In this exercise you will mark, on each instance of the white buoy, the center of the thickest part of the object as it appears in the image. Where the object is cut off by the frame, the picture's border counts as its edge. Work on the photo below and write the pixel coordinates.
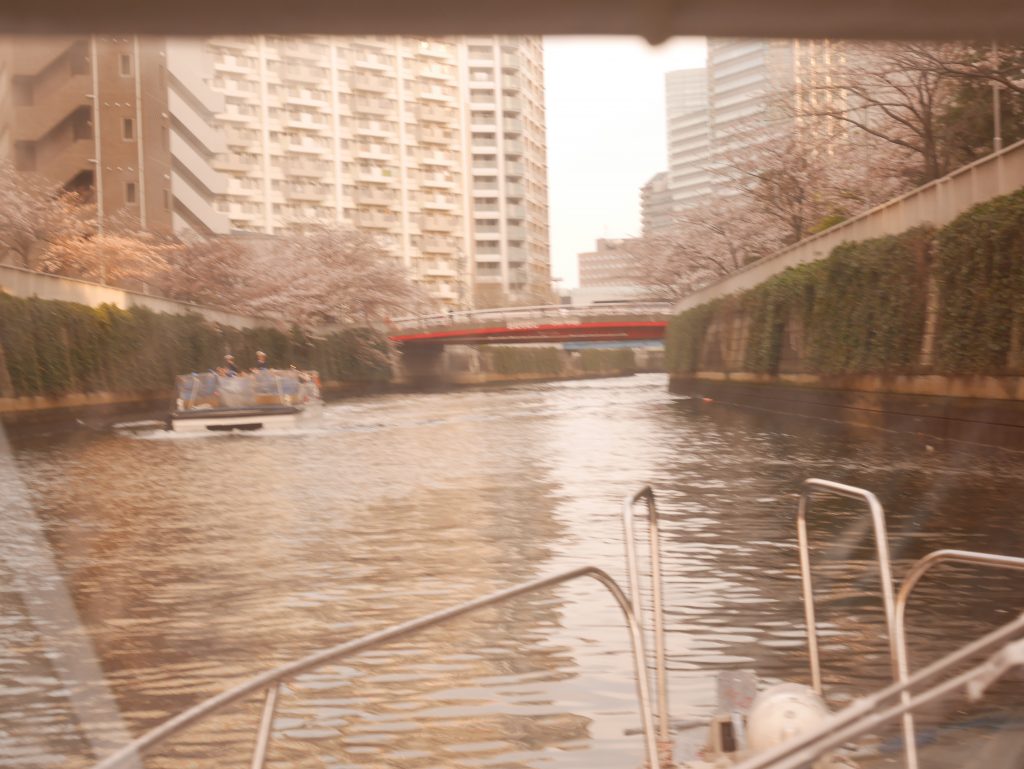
(782, 712)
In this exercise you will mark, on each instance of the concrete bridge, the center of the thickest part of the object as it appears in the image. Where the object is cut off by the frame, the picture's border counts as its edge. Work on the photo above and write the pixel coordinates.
(545, 324)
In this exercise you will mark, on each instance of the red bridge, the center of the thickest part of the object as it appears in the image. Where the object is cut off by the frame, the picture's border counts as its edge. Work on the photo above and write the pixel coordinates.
(635, 321)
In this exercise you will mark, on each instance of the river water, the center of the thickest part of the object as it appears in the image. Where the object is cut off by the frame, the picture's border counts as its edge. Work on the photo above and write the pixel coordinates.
(196, 562)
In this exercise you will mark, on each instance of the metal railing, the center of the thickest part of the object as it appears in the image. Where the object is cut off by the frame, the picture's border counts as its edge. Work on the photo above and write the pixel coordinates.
(505, 315)
(810, 486)
(923, 566)
(657, 597)
(272, 681)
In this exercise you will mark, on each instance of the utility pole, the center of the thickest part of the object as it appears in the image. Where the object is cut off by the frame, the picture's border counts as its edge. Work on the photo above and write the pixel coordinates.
(997, 133)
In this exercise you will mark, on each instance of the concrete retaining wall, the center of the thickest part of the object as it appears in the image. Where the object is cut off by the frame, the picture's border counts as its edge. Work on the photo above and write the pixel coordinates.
(20, 282)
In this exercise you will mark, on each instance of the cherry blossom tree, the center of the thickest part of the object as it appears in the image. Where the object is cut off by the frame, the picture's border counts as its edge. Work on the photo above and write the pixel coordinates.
(328, 276)
(120, 255)
(35, 215)
(705, 242)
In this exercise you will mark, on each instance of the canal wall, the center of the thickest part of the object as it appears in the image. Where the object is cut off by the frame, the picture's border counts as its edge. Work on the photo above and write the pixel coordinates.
(66, 360)
(923, 330)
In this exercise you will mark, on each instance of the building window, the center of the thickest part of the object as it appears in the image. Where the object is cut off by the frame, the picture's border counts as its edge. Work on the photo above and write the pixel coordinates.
(126, 65)
(130, 194)
(128, 129)
(167, 201)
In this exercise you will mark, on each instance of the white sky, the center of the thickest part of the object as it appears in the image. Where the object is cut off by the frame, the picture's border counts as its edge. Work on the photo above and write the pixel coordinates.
(606, 135)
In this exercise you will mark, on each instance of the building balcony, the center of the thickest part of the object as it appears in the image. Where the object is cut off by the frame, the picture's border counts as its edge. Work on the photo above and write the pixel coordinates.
(309, 192)
(376, 220)
(516, 233)
(375, 196)
(433, 135)
(311, 75)
(516, 212)
(437, 159)
(308, 168)
(437, 203)
(370, 61)
(238, 137)
(373, 83)
(438, 223)
(440, 270)
(435, 114)
(374, 152)
(513, 104)
(514, 190)
(307, 123)
(430, 245)
(374, 130)
(307, 149)
(435, 94)
(512, 125)
(373, 106)
(436, 72)
(233, 163)
(513, 147)
(514, 169)
(306, 100)
(437, 182)
(377, 176)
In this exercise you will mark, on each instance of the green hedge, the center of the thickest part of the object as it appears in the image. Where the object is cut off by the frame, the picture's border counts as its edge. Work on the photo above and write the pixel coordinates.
(862, 310)
(979, 270)
(54, 348)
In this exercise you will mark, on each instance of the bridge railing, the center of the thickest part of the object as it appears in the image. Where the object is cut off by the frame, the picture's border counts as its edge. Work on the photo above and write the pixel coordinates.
(510, 316)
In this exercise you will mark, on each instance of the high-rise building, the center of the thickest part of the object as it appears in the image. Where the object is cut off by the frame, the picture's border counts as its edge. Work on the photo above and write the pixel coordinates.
(503, 85)
(434, 145)
(710, 110)
(689, 136)
(656, 205)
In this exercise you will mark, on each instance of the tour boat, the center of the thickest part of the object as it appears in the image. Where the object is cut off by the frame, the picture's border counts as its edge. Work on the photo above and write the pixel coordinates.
(781, 726)
(263, 399)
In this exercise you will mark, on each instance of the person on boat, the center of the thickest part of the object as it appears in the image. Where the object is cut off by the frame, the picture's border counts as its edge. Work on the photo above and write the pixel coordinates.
(261, 362)
(229, 364)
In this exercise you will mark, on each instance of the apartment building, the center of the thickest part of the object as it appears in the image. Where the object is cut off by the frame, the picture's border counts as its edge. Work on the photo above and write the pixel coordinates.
(401, 137)
(435, 146)
(503, 84)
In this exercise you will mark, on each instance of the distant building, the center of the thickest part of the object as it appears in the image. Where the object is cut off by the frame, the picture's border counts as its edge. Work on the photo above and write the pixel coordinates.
(689, 136)
(656, 205)
(610, 264)
(707, 108)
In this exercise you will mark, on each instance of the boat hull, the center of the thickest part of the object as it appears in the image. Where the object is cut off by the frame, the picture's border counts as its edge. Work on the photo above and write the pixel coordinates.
(243, 419)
